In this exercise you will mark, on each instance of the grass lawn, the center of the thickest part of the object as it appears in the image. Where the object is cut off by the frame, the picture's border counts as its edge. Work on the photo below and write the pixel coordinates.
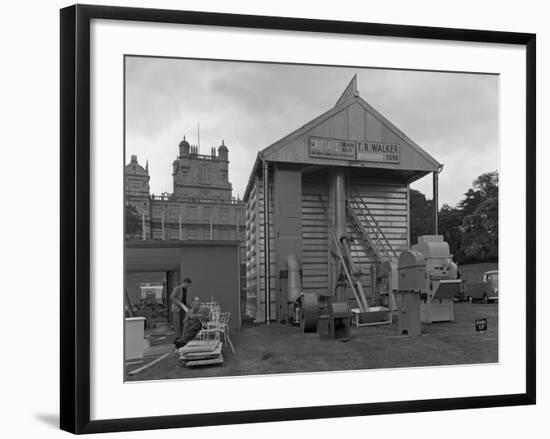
(262, 349)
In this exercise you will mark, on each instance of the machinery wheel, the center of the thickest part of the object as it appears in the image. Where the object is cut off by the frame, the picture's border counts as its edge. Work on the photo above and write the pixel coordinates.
(309, 312)
(469, 299)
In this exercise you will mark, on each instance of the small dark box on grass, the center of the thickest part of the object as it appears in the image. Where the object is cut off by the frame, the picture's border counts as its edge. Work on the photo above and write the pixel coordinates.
(481, 325)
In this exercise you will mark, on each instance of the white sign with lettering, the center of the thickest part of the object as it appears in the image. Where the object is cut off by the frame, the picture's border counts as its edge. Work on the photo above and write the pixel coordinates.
(378, 152)
(363, 151)
(331, 148)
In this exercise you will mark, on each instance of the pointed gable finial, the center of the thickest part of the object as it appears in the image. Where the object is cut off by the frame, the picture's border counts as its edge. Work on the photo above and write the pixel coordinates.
(349, 92)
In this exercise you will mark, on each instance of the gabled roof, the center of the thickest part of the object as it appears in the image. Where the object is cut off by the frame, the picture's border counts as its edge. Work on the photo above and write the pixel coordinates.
(268, 152)
(337, 121)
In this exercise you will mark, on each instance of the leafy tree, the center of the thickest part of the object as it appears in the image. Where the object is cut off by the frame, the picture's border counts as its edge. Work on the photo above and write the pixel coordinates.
(470, 228)
(487, 184)
(484, 187)
(450, 220)
(421, 212)
(480, 231)
(472, 199)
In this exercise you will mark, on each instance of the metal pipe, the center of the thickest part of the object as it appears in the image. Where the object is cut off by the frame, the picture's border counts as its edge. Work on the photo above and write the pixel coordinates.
(294, 283)
(339, 202)
(267, 263)
(336, 216)
(436, 199)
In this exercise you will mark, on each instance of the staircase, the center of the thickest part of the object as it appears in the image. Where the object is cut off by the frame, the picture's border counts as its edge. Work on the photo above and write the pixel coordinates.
(371, 233)
(369, 229)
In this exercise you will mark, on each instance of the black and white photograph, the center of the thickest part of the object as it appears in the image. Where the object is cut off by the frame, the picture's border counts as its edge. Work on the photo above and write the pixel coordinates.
(275, 219)
(296, 218)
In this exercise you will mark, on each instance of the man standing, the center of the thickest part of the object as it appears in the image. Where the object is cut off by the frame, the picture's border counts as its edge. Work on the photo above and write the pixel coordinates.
(177, 299)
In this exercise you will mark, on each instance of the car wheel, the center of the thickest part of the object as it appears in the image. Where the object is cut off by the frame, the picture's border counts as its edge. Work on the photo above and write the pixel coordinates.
(470, 300)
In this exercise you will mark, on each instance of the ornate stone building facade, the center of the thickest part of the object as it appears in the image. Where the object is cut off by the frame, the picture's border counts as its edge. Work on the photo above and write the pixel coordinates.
(201, 206)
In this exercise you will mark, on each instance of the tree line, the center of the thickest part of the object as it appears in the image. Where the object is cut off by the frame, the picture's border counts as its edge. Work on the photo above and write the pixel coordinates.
(470, 228)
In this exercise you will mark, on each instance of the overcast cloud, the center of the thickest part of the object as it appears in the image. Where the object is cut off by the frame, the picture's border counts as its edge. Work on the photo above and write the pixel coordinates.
(454, 117)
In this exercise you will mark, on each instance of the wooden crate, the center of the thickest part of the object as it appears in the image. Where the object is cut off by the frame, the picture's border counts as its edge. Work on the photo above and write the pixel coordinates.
(377, 315)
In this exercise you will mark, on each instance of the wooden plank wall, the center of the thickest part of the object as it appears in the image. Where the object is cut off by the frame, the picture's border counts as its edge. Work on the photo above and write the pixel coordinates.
(255, 303)
(252, 257)
(314, 236)
(388, 203)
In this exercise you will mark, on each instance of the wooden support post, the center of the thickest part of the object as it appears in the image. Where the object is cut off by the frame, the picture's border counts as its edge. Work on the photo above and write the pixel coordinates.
(128, 303)
(152, 363)
(436, 200)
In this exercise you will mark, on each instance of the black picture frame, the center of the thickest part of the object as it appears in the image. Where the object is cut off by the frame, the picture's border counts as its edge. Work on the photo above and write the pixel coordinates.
(75, 217)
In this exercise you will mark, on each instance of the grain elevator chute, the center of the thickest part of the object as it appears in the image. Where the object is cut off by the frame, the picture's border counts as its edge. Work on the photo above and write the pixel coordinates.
(332, 197)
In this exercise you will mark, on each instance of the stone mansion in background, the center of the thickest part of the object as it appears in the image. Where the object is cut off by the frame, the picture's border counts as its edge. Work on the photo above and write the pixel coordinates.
(201, 206)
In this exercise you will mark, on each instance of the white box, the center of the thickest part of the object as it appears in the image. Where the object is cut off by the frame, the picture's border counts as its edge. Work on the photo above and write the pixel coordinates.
(133, 337)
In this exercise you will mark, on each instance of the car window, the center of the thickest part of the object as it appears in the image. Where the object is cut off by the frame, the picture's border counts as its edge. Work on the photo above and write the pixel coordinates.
(491, 278)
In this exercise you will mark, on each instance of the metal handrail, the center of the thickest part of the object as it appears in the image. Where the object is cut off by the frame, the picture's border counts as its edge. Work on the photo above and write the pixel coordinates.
(385, 245)
(364, 232)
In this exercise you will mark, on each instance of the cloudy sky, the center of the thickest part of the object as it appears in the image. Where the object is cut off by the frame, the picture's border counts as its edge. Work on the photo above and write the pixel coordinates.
(454, 117)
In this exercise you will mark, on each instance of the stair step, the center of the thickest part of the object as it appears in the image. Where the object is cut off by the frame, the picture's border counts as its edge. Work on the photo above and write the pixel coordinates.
(370, 232)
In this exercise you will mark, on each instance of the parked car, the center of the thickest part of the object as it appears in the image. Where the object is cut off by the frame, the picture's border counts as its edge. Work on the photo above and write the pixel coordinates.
(485, 291)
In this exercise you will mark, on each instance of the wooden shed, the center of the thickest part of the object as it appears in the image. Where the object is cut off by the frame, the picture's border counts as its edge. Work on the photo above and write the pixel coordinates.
(344, 176)
(213, 266)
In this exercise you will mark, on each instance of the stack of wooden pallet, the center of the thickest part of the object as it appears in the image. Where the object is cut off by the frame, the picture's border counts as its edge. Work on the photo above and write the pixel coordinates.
(201, 353)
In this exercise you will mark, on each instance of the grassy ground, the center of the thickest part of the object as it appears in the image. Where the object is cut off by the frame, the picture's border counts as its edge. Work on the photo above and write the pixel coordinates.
(263, 349)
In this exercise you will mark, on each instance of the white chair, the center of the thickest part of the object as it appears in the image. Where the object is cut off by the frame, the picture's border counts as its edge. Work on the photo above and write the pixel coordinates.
(219, 323)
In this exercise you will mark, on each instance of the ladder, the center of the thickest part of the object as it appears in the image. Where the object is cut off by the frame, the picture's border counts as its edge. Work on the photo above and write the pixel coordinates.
(369, 229)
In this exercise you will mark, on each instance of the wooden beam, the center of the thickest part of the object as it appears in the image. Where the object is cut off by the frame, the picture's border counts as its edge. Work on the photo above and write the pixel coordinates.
(152, 363)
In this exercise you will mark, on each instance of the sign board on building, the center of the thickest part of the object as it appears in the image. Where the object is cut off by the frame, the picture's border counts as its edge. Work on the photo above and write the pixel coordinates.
(331, 148)
(378, 152)
(363, 151)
